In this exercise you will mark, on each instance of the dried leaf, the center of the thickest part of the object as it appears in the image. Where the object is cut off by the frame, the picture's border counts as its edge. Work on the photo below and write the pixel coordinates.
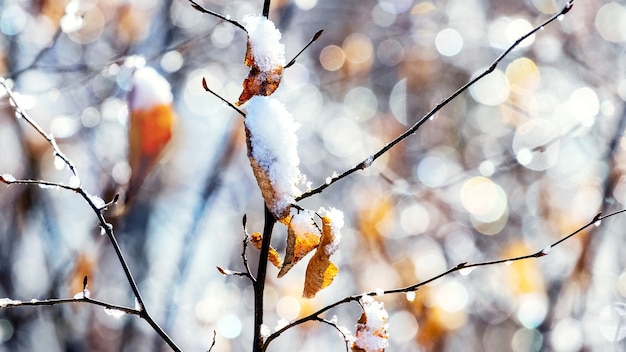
(258, 81)
(371, 329)
(301, 240)
(321, 271)
(257, 241)
(151, 125)
(275, 201)
(223, 271)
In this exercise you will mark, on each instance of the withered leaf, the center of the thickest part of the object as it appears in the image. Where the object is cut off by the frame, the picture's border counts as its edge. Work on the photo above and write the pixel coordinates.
(300, 242)
(257, 240)
(320, 272)
(258, 81)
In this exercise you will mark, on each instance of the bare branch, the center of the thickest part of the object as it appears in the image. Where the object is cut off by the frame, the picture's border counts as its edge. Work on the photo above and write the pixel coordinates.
(202, 9)
(206, 87)
(96, 204)
(315, 37)
(367, 162)
(461, 266)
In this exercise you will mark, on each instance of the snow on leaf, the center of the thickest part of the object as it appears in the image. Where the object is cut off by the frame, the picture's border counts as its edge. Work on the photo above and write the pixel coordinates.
(264, 55)
(302, 237)
(272, 150)
(335, 221)
(371, 329)
(152, 121)
(321, 272)
(257, 240)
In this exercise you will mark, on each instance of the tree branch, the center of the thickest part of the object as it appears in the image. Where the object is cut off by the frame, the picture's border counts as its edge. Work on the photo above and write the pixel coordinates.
(461, 266)
(259, 284)
(368, 161)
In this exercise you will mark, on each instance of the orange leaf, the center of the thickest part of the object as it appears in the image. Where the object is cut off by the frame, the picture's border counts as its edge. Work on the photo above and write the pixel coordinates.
(151, 124)
(302, 238)
(258, 81)
(257, 240)
(321, 271)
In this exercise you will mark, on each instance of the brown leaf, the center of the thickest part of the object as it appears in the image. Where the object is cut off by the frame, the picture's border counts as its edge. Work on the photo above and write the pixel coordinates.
(258, 82)
(300, 242)
(265, 184)
(257, 240)
(321, 271)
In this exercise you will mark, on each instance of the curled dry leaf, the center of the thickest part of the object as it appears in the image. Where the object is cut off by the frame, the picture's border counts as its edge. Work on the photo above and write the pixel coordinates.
(272, 149)
(321, 272)
(256, 239)
(151, 125)
(259, 82)
(264, 55)
(302, 237)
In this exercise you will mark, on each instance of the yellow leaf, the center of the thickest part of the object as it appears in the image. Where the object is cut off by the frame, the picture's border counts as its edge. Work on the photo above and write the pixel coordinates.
(257, 240)
(321, 271)
(301, 240)
(319, 274)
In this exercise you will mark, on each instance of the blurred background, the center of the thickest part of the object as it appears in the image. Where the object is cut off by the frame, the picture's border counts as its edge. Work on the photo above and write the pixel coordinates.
(525, 157)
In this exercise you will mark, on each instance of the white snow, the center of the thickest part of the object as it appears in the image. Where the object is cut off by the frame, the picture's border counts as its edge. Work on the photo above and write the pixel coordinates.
(149, 89)
(372, 336)
(5, 302)
(274, 146)
(264, 41)
(8, 177)
(302, 222)
(336, 223)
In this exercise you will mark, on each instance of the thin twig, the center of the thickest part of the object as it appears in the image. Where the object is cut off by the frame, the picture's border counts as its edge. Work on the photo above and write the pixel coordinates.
(244, 256)
(50, 138)
(202, 9)
(334, 325)
(266, 8)
(213, 342)
(206, 87)
(368, 161)
(315, 37)
(9, 303)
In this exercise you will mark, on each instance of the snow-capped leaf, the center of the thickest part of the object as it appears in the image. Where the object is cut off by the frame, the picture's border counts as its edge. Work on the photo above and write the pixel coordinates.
(264, 55)
(302, 237)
